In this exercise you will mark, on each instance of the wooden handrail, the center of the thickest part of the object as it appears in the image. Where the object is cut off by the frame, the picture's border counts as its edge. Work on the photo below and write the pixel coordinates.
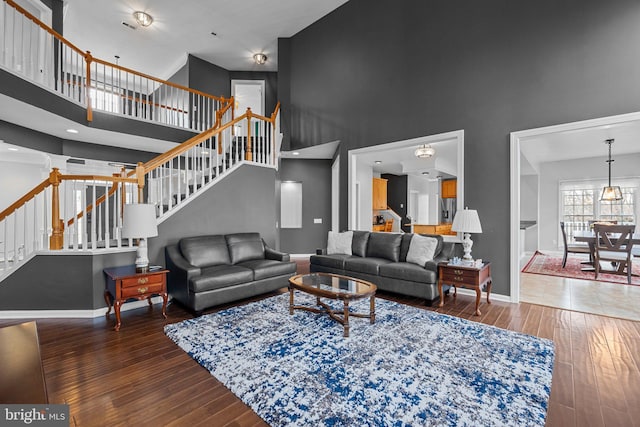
(44, 26)
(192, 142)
(24, 199)
(164, 82)
(87, 56)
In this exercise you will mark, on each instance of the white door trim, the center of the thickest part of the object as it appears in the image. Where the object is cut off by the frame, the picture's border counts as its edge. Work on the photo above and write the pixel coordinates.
(516, 139)
(458, 135)
(260, 83)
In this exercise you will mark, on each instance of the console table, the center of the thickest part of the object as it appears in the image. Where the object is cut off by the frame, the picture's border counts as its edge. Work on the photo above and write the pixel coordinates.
(466, 277)
(124, 283)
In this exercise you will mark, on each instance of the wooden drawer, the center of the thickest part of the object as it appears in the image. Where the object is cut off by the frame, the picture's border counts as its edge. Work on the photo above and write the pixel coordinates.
(456, 275)
(147, 280)
(144, 289)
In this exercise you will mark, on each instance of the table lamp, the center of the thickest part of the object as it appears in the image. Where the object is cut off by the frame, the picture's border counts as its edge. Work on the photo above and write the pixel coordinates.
(467, 221)
(139, 222)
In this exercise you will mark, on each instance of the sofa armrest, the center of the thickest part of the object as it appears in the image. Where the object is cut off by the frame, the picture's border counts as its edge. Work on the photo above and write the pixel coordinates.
(180, 272)
(270, 253)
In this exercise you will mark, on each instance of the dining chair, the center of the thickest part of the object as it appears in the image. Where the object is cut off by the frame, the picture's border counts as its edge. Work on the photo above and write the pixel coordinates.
(388, 225)
(575, 248)
(613, 243)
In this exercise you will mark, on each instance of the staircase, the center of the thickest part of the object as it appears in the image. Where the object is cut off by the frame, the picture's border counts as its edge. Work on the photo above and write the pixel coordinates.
(83, 213)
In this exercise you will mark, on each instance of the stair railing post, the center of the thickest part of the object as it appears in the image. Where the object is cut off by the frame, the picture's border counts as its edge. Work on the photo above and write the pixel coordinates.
(88, 59)
(140, 177)
(56, 240)
(248, 155)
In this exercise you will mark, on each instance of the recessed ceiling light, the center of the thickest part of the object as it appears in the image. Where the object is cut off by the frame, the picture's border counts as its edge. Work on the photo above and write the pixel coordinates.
(12, 149)
(296, 153)
(72, 131)
(378, 162)
(425, 173)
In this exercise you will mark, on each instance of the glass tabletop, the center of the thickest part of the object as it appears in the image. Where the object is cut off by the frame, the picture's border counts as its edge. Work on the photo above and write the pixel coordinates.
(333, 283)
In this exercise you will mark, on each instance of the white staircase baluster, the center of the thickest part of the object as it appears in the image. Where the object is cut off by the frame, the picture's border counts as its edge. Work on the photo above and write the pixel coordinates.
(107, 233)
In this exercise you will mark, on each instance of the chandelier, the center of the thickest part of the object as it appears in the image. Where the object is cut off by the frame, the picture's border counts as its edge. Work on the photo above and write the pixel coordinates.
(425, 151)
(610, 193)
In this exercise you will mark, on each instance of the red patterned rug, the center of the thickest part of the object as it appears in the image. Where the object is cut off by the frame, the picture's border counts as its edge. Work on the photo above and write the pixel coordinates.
(551, 265)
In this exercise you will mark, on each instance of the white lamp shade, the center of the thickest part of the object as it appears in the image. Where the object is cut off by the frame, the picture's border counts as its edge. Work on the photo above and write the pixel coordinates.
(467, 221)
(139, 221)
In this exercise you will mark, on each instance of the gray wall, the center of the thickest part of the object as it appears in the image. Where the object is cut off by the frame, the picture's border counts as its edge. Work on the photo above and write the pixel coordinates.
(315, 176)
(243, 201)
(60, 282)
(375, 72)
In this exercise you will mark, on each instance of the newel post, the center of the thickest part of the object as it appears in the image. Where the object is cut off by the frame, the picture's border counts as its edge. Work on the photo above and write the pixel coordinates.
(140, 177)
(56, 240)
(88, 59)
(248, 154)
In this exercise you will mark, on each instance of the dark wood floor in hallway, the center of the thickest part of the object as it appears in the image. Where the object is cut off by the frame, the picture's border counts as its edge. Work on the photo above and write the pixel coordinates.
(139, 377)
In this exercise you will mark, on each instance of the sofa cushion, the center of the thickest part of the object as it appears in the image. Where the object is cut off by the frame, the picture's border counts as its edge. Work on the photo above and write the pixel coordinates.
(205, 251)
(407, 271)
(367, 265)
(331, 261)
(359, 243)
(220, 276)
(265, 268)
(339, 243)
(440, 240)
(404, 246)
(384, 245)
(421, 249)
(245, 247)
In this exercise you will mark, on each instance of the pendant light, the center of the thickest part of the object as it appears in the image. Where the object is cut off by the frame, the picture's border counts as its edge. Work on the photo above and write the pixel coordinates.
(425, 151)
(610, 193)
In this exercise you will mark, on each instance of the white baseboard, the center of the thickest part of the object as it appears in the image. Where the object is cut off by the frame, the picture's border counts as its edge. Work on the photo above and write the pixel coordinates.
(69, 314)
(496, 297)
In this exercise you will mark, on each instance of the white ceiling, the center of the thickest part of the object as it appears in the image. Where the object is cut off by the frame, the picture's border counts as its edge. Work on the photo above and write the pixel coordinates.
(402, 161)
(578, 144)
(184, 27)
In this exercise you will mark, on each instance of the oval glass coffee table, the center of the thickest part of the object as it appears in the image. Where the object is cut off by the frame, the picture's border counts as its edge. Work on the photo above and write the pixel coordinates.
(334, 286)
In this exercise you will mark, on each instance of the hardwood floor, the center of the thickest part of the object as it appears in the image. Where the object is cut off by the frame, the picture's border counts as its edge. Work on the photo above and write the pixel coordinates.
(139, 377)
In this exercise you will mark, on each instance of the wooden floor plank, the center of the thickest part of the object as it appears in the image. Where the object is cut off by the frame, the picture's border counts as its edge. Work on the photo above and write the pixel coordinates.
(140, 377)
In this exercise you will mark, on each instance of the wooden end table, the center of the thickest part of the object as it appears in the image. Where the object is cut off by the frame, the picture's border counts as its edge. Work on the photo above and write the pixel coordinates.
(465, 277)
(124, 283)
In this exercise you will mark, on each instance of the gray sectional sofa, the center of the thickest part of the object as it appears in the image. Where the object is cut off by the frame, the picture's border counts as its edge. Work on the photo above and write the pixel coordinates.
(381, 258)
(205, 271)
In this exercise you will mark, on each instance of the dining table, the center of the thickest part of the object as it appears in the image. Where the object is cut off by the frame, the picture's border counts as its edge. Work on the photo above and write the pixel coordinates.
(589, 237)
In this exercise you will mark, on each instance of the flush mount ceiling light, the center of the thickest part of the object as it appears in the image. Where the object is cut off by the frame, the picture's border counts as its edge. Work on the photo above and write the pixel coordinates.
(425, 151)
(260, 58)
(143, 18)
(610, 193)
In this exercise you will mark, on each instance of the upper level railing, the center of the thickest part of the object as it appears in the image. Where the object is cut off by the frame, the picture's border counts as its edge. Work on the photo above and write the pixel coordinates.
(39, 54)
(84, 212)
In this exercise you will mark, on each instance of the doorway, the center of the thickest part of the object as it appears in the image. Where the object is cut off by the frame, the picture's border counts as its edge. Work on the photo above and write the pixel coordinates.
(248, 94)
(568, 142)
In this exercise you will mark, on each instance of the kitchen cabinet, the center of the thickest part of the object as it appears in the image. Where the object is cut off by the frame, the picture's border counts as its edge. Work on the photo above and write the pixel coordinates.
(448, 190)
(379, 193)
(444, 228)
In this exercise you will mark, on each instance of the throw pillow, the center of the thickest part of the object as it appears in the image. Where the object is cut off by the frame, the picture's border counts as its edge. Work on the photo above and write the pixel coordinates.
(421, 249)
(339, 243)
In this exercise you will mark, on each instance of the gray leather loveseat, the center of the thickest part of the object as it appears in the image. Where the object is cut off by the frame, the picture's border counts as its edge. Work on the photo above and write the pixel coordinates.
(381, 258)
(210, 270)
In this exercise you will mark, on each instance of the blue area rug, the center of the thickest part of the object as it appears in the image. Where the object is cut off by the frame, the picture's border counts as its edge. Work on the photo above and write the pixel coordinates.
(412, 367)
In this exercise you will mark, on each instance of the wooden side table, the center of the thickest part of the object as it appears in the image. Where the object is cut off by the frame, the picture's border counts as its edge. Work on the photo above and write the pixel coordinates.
(124, 283)
(465, 277)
